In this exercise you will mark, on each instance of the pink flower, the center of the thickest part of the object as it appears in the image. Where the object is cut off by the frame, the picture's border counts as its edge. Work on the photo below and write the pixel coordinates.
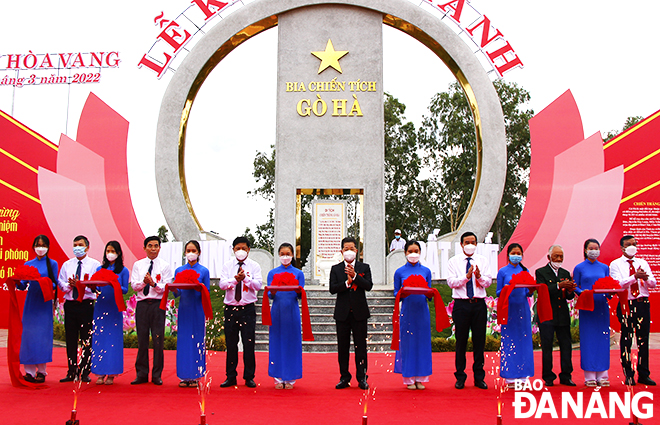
(450, 308)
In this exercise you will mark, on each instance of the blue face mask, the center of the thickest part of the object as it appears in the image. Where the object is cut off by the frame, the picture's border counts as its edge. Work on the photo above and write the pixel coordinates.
(515, 259)
(79, 251)
(397, 236)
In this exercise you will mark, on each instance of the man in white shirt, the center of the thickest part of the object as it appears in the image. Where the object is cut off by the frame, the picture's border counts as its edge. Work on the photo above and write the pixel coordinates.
(398, 242)
(469, 276)
(148, 279)
(634, 274)
(78, 315)
(241, 279)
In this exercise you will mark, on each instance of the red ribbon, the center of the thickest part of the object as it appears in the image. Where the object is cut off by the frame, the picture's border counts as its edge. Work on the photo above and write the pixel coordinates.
(188, 279)
(544, 308)
(586, 298)
(15, 330)
(108, 276)
(287, 282)
(32, 273)
(417, 285)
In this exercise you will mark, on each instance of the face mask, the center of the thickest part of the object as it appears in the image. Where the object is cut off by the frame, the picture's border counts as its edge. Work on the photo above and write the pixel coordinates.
(592, 254)
(241, 255)
(397, 236)
(41, 251)
(111, 257)
(286, 260)
(469, 249)
(349, 256)
(413, 257)
(631, 250)
(191, 256)
(79, 251)
(515, 259)
(555, 265)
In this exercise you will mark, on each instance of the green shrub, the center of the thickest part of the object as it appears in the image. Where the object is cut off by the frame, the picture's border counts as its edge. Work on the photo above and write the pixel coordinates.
(58, 332)
(575, 334)
(441, 345)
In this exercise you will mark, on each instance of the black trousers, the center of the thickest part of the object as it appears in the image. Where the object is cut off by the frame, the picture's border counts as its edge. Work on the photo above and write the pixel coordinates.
(149, 318)
(241, 319)
(470, 315)
(548, 330)
(78, 318)
(359, 330)
(638, 325)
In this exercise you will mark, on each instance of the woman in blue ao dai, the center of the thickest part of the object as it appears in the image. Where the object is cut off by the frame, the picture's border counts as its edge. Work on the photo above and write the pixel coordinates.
(37, 338)
(190, 342)
(413, 360)
(284, 335)
(516, 349)
(108, 338)
(594, 325)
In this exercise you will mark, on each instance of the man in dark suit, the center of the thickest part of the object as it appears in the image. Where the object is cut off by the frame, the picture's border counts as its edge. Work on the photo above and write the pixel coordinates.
(349, 280)
(560, 286)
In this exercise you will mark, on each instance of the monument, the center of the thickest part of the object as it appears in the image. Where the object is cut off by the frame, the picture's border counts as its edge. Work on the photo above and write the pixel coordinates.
(330, 111)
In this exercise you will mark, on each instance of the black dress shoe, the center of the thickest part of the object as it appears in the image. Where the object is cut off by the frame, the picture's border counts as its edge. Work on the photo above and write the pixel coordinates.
(30, 378)
(250, 383)
(86, 378)
(363, 384)
(481, 384)
(646, 381)
(459, 385)
(549, 383)
(40, 377)
(630, 381)
(68, 378)
(568, 382)
(157, 381)
(141, 381)
(229, 382)
(343, 384)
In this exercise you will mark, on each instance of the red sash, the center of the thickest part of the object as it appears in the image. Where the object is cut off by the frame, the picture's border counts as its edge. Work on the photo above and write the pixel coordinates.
(287, 282)
(15, 330)
(105, 276)
(417, 285)
(586, 298)
(81, 288)
(188, 279)
(543, 306)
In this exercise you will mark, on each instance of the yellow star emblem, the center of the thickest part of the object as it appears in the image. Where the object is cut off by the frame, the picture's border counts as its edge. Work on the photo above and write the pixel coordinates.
(330, 57)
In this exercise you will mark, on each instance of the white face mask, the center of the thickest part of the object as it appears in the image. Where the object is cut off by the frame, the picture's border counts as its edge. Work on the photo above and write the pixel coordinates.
(413, 257)
(556, 265)
(191, 256)
(592, 254)
(111, 257)
(41, 251)
(631, 250)
(469, 249)
(349, 256)
(286, 260)
(241, 255)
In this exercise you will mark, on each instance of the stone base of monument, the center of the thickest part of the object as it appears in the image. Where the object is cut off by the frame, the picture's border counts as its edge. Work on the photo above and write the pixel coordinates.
(321, 307)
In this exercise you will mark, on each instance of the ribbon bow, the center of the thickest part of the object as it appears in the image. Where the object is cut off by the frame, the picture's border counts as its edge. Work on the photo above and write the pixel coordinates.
(586, 298)
(544, 308)
(417, 285)
(189, 279)
(287, 282)
(105, 275)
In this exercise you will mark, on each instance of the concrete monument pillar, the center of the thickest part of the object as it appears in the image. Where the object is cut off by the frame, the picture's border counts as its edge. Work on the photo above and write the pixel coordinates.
(330, 116)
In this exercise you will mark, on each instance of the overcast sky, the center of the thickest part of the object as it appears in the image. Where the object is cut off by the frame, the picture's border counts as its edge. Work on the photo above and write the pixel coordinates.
(605, 52)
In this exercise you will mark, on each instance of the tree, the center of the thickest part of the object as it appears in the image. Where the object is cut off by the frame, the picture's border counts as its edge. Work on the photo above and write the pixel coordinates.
(447, 136)
(630, 121)
(162, 233)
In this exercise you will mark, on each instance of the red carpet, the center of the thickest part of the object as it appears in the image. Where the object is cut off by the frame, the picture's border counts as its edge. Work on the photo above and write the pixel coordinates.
(313, 400)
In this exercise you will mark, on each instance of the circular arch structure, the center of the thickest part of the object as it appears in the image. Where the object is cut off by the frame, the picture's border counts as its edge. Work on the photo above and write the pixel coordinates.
(262, 15)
